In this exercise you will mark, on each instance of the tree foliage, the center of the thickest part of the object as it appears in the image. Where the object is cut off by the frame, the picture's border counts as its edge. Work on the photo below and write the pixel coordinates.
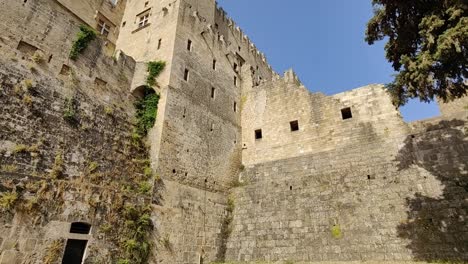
(427, 46)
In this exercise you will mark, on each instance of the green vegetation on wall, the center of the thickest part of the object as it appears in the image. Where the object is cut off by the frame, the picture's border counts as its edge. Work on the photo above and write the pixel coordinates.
(154, 69)
(146, 111)
(83, 38)
(136, 235)
(336, 231)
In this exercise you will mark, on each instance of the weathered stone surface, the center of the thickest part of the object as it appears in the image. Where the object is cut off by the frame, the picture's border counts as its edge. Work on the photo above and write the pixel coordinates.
(368, 188)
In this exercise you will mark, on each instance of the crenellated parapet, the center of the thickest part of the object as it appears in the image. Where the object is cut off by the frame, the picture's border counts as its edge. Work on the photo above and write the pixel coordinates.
(229, 37)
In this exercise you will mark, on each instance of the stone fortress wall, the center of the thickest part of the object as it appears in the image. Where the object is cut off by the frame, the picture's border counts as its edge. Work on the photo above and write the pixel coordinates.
(370, 187)
(35, 94)
(92, 12)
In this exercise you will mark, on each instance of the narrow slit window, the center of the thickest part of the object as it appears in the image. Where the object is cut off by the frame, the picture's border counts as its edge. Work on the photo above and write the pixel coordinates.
(214, 64)
(235, 67)
(258, 134)
(212, 127)
(213, 92)
(159, 43)
(235, 80)
(189, 45)
(186, 75)
(346, 113)
(235, 106)
(294, 125)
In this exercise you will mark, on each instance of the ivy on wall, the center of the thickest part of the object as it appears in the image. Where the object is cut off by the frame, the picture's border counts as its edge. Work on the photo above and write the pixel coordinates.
(154, 69)
(146, 111)
(83, 38)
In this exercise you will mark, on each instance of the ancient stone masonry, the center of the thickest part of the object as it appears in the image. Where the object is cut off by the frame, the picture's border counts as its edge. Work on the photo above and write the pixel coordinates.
(241, 164)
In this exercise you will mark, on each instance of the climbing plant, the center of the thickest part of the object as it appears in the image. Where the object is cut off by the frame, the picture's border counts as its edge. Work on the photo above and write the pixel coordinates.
(135, 240)
(154, 69)
(146, 110)
(83, 38)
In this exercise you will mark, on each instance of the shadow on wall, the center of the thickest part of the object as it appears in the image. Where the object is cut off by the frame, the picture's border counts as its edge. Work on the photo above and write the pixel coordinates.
(437, 228)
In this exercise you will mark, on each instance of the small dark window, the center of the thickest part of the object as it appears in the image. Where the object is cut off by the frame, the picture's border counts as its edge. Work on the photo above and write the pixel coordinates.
(65, 70)
(173, 171)
(50, 58)
(213, 92)
(159, 43)
(235, 67)
(294, 125)
(239, 48)
(80, 228)
(212, 127)
(214, 64)
(346, 113)
(74, 251)
(124, 23)
(186, 75)
(370, 177)
(290, 188)
(189, 45)
(235, 106)
(99, 83)
(258, 134)
(27, 49)
(235, 80)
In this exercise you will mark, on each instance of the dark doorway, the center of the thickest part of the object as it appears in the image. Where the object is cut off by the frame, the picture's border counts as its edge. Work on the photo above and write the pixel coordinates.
(74, 251)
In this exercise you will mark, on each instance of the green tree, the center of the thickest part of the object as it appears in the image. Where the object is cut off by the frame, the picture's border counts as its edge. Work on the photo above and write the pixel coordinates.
(427, 45)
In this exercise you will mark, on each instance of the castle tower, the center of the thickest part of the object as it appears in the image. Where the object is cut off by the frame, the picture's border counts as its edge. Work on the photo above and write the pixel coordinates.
(196, 143)
(206, 55)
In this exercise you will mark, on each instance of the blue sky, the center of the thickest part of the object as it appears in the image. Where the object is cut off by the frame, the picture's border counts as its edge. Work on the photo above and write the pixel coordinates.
(323, 40)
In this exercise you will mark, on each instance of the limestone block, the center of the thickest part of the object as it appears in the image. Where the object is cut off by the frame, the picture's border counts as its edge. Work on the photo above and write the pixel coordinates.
(9, 257)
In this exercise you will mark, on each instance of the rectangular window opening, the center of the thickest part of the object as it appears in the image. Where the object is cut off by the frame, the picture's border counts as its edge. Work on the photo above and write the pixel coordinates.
(235, 106)
(143, 19)
(65, 70)
(235, 80)
(235, 67)
(294, 125)
(214, 64)
(346, 113)
(258, 134)
(27, 48)
(103, 27)
(189, 45)
(186, 75)
(213, 92)
(159, 43)
(99, 83)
